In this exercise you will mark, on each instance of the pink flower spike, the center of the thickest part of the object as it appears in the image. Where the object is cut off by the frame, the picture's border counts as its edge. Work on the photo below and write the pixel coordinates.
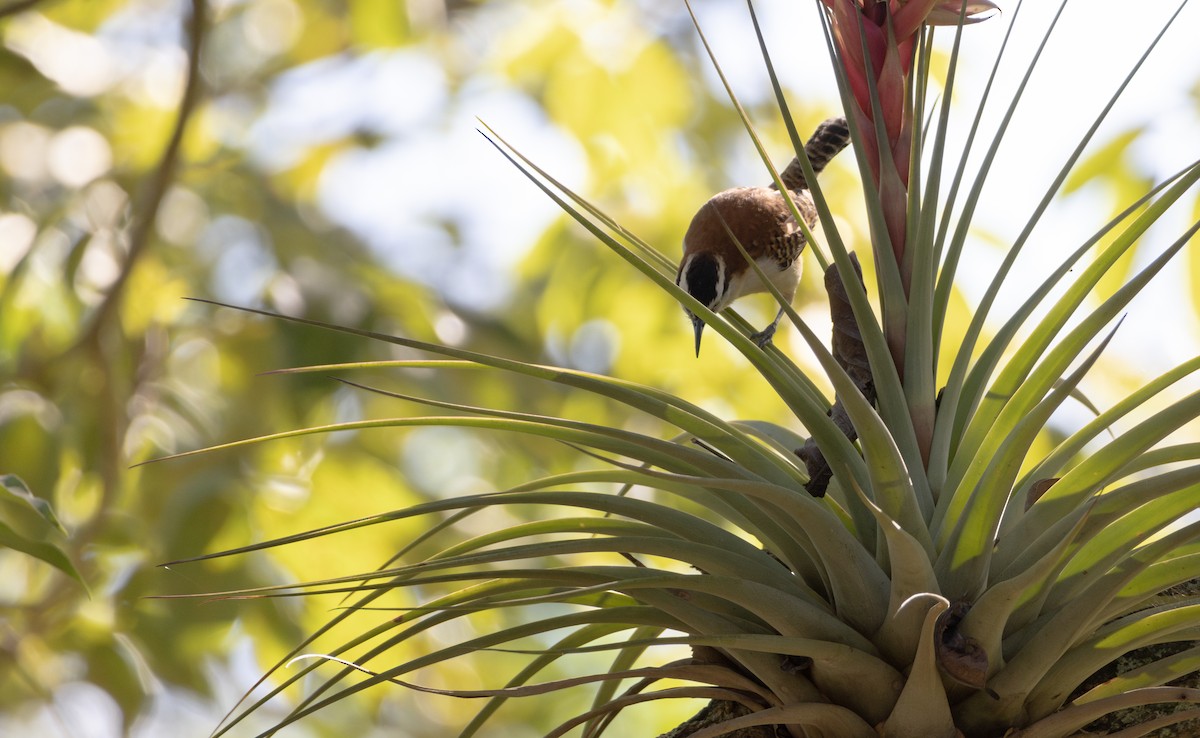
(890, 84)
(845, 27)
(909, 17)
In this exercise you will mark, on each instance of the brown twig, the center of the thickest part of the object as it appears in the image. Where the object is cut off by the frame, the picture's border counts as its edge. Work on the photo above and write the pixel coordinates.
(851, 355)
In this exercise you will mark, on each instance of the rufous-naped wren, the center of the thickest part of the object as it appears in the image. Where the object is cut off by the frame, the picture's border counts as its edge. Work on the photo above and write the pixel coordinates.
(713, 270)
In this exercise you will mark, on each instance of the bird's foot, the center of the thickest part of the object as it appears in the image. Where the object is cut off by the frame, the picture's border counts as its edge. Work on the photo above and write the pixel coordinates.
(762, 339)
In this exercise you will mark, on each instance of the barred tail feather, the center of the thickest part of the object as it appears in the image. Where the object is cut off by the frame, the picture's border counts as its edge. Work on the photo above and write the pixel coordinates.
(825, 143)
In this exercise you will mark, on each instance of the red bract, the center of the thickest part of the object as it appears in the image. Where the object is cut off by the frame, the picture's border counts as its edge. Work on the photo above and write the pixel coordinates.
(874, 41)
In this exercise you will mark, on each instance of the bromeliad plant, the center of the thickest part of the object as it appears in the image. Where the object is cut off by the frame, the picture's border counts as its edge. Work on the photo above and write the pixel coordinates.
(956, 579)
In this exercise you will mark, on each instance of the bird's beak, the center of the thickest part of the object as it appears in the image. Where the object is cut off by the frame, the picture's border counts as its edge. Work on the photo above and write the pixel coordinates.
(698, 325)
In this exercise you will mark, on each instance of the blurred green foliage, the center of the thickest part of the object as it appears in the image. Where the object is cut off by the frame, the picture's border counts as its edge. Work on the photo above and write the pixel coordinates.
(103, 365)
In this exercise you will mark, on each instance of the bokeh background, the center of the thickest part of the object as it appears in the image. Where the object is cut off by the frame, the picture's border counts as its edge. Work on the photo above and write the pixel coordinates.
(323, 158)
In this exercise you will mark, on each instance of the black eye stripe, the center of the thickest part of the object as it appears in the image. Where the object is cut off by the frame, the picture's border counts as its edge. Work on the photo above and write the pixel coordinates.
(703, 275)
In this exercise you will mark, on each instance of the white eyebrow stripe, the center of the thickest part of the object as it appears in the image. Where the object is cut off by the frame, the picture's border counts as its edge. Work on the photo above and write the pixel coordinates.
(683, 271)
(720, 280)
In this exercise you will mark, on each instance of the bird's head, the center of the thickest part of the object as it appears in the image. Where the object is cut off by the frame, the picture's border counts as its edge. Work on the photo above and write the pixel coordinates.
(703, 276)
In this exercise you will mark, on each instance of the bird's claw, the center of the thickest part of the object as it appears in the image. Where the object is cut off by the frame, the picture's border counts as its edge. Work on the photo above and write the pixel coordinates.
(762, 338)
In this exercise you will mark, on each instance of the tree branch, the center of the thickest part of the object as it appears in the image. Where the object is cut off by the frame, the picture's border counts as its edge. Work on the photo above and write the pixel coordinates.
(145, 210)
(851, 355)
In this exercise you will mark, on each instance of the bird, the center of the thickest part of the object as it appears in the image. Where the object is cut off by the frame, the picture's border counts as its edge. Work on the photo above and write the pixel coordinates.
(713, 271)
